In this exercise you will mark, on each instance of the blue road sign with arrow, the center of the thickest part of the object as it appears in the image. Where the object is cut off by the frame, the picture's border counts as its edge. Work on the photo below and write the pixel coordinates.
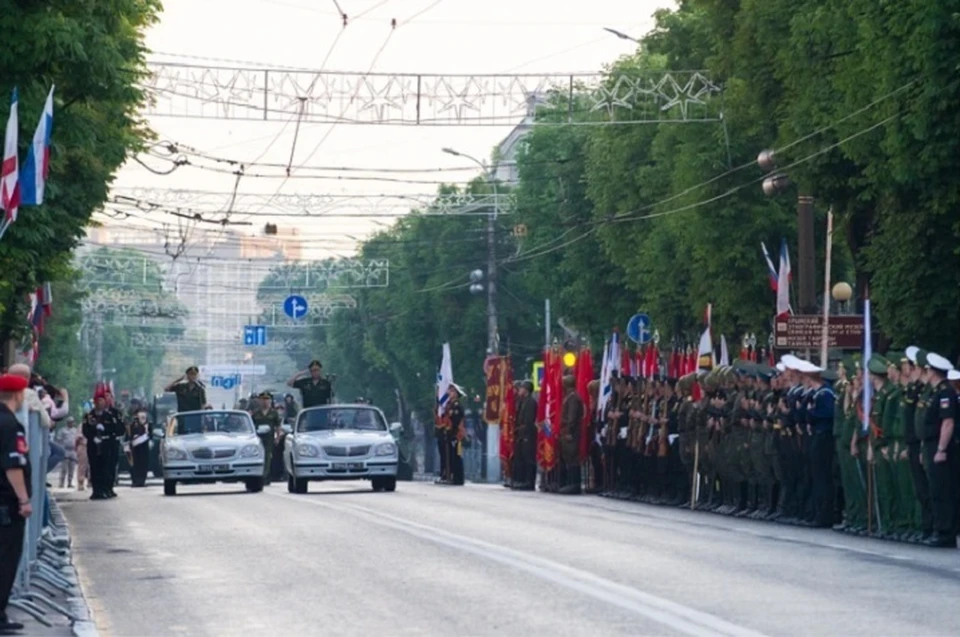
(638, 329)
(295, 306)
(254, 335)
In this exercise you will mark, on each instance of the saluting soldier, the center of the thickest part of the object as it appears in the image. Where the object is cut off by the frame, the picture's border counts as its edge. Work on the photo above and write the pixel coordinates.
(940, 446)
(265, 414)
(314, 388)
(191, 394)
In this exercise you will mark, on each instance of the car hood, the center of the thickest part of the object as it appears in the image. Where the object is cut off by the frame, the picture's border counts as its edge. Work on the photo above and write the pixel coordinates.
(345, 437)
(196, 441)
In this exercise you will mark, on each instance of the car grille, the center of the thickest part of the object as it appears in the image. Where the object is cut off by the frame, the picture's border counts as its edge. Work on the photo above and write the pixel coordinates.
(347, 452)
(205, 453)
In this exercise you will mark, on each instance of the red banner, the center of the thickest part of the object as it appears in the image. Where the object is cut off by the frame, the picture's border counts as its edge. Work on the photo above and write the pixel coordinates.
(508, 419)
(584, 375)
(494, 368)
(548, 410)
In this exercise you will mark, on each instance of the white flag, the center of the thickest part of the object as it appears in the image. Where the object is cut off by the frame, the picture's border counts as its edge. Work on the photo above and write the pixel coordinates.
(724, 354)
(444, 379)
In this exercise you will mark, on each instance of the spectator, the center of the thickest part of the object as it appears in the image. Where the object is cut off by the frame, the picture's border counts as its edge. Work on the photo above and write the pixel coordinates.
(66, 437)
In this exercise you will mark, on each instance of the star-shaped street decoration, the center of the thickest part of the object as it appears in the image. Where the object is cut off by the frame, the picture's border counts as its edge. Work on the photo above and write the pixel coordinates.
(610, 97)
(469, 97)
(380, 100)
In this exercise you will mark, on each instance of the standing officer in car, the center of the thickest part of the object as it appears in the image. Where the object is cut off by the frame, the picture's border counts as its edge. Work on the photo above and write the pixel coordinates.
(14, 490)
(315, 389)
(265, 414)
(191, 394)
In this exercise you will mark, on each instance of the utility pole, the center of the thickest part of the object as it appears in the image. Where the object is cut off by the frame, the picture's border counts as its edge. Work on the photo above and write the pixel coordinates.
(492, 274)
(807, 254)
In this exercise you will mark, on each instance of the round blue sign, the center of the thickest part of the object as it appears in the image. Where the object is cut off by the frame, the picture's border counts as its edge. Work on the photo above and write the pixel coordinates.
(295, 306)
(638, 329)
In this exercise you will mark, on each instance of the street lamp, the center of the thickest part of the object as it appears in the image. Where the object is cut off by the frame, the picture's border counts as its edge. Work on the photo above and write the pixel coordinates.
(621, 35)
(842, 293)
(476, 288)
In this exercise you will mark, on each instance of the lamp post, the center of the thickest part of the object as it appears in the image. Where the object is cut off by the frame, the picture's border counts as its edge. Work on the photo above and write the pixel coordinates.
(492, 449)
(491, 255)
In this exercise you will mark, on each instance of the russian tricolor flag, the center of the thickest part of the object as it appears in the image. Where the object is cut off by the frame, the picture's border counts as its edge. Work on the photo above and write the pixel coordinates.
(33, 179)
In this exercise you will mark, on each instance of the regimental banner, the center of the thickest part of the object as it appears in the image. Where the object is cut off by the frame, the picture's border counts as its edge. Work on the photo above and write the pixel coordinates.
(494, 368)
(508, 420)
(806, 332)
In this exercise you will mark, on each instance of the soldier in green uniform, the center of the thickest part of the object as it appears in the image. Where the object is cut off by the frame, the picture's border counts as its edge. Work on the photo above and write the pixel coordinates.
(191, 394)
(687, 429)
(571, 420)
(879, 442)
(265, 414)
(841, 443)
(853, 404)
(314, 388)
(904, 500)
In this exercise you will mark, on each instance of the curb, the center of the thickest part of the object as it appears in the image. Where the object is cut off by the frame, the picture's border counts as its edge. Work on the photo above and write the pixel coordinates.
(83, 625)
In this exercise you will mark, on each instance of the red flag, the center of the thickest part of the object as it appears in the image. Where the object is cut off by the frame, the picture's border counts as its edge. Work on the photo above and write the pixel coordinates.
(637, 364)
(584, 376)
(508, 418)
(548, 410)
(624, 362)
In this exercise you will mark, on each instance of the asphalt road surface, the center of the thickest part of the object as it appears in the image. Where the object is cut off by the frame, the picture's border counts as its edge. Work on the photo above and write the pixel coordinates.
(482, 560)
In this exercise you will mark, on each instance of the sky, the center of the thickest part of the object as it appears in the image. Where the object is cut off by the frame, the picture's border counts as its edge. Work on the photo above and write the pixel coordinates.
(431, 37)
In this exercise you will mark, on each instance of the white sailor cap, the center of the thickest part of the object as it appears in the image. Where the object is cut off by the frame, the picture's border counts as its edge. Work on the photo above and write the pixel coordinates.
(790, 361)
(938, 362)
(806, 367)
(911, 353)
(953, 374)
(781, 367)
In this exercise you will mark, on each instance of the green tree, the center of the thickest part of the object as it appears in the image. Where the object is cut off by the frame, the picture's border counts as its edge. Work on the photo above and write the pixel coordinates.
(93, 52)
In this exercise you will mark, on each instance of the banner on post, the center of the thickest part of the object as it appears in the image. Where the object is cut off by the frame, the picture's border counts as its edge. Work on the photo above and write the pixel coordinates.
(494, 367)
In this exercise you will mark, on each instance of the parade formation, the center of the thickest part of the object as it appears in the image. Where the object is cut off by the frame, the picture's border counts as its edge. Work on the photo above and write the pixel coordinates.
(788, 443)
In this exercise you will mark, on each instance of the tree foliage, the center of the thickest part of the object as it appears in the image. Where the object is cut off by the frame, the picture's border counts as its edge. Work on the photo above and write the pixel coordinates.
(92, 50)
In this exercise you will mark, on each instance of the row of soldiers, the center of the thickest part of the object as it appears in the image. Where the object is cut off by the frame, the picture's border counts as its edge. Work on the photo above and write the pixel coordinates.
(784, 444)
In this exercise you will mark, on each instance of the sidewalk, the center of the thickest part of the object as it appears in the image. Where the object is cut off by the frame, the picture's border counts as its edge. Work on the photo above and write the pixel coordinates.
(72, 600)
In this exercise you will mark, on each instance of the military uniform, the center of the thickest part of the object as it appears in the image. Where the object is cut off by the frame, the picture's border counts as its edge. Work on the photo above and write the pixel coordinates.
(941, 456)
(103, 430)
(314, 392)
(14, 454)
(190, 396)
(687, 429)
(455, 434)
(571, 420)
(271, 418)
(880, 417)
(525, 442)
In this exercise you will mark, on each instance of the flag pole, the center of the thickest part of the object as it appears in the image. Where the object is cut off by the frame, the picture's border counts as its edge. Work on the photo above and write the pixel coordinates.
(825, 336)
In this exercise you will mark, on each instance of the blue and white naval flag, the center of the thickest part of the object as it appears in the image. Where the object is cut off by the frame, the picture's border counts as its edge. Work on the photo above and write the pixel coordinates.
(444, 379)
(33, 177)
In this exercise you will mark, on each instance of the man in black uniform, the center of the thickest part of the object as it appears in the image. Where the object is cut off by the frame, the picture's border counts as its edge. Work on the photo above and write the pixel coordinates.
(455, 434)
(103, 428)
(940, 450)
(525, 440)
(14, 491)
(191, 394)
(315, 390)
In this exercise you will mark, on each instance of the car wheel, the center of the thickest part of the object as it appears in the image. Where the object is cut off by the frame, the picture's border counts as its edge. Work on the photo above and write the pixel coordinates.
(389, 484)
(169, 487)
(300, 485)
(255, 485)
(376, 484)
(291, 486)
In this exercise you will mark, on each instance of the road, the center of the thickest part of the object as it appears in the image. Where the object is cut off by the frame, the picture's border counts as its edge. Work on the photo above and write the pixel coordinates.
(482, 560)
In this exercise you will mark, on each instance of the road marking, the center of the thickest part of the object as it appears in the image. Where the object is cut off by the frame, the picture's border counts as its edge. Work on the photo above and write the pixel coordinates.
(663, 611)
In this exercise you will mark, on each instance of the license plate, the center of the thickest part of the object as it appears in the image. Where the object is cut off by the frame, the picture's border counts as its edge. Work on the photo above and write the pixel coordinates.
(357, 466)
(339, 466)
(221, 467)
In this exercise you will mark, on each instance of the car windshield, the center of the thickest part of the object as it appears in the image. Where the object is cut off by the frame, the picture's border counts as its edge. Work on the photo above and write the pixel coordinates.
(354, 418)
(212, 422)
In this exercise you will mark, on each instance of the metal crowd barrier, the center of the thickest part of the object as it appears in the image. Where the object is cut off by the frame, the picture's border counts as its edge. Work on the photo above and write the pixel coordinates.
(46, 549)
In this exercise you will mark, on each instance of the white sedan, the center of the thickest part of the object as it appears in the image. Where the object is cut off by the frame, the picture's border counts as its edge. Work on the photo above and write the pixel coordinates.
(203, 447)
(341, 442)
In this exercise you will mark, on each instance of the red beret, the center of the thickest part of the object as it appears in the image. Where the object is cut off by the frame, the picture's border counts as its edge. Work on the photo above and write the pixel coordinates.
(12, 383)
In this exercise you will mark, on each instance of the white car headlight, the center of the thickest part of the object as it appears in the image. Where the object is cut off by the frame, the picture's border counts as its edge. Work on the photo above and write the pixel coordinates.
(307, 451)
(251, 451)
(176, 453)
(386, 449)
